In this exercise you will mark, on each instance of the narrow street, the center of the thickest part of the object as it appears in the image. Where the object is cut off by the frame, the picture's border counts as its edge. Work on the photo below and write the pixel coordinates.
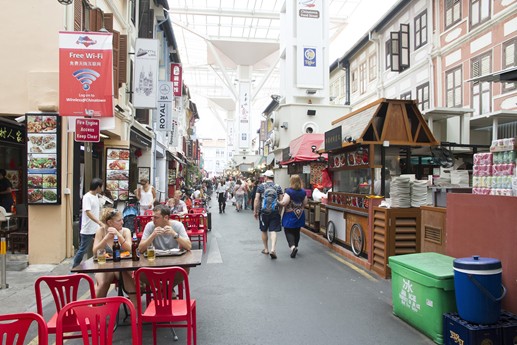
(246, 298)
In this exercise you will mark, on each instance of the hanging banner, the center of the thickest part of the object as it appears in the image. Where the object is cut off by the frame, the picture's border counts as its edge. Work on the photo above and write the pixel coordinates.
(175, 126)
(176, 78)
(263, 130)
(310, 26)
(145, 83)
(164, 119)
(85, 74)
(244, 115)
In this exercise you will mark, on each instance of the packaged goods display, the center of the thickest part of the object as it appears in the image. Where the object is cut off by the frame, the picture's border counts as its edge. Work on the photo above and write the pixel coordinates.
(494, 172)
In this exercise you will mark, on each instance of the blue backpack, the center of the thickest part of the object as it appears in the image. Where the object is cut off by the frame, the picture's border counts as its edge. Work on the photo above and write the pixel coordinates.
(269, 198)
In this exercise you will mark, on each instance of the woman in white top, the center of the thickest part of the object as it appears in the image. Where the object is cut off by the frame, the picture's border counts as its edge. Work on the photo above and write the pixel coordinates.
(146, 195)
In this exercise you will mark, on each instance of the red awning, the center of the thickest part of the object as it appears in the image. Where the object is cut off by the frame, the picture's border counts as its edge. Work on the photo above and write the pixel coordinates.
(301, 151)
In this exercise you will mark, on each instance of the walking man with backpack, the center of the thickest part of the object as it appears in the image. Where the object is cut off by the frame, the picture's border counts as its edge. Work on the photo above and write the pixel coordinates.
(267, 211)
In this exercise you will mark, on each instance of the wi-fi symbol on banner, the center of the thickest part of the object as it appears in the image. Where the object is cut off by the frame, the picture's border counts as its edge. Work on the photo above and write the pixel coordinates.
(86, 77)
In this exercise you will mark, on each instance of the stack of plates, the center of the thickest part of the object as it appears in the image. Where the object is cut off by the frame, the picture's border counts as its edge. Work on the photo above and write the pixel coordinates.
(400, 192)
(418, 193)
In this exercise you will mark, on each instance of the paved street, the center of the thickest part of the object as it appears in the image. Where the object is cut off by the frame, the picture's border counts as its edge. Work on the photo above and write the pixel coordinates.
(245, 298)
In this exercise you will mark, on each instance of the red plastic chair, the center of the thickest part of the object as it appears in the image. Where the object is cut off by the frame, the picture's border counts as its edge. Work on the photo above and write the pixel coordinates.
(16, 326)
(64, 289)
(148, 212)
(163, 310)
(197, 210)
(195, 224)
(97, 319)
(140, 223)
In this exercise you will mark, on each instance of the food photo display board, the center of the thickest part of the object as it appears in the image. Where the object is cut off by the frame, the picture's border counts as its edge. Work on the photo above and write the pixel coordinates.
(43, 159)
(117, 173)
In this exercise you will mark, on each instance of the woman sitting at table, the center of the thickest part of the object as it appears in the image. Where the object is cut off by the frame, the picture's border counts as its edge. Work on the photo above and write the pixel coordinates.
(112, 226)
(177, 205)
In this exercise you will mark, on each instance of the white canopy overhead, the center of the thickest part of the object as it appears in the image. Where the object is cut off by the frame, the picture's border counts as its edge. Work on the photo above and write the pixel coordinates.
(216, 36)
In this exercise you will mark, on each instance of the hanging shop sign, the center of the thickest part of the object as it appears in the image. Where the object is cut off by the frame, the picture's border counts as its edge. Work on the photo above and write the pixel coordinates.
(117, 173)
(138, 139)
(87, 130)
(333, 139)
(309, 60)
(176, 79)
(145, 84)
(43, 158)
(164, 120)
(85, 74)
(11, 134)
(244, 115)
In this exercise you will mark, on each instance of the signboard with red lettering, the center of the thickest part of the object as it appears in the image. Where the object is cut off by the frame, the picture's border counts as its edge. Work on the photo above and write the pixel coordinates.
(87, 130)
(85, 74)
(176, 78)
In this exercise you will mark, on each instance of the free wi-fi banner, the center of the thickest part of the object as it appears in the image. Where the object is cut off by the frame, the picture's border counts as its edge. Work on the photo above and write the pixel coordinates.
(85, 74)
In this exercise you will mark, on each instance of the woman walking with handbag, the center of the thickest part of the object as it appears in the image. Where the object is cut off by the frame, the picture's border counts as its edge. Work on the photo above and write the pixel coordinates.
(294, 201)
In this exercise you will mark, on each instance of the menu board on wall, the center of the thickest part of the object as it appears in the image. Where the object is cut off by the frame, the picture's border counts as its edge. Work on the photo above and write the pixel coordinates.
(117, 173)
(43, 158)
(172, 177)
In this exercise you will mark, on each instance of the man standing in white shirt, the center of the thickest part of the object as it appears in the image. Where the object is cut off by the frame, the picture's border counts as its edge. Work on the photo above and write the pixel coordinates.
(89, 220)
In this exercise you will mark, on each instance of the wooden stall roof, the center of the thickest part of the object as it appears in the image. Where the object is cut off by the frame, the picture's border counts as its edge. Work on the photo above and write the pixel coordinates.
(397, 121)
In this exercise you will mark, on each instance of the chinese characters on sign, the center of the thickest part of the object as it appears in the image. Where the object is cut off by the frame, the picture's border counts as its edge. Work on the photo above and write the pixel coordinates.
(85, 74)
(176, 75)
(407, 296)
(43, 160)
(11, 134)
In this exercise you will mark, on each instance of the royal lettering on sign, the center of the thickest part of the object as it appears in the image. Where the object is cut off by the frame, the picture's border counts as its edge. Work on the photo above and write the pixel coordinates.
(87, 130)
(164, 122)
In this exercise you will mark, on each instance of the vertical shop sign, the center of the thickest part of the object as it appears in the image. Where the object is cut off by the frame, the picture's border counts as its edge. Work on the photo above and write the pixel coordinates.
(145, 84)
(175, 122)
(117, 173)
(263, 131)
(43, 158)
(85, 74)
(164, 121)
(176, 78)
(244, 115)
(309, 60)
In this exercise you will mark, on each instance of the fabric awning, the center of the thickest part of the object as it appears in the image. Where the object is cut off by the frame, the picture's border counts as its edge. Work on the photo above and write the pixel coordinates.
(300, 149)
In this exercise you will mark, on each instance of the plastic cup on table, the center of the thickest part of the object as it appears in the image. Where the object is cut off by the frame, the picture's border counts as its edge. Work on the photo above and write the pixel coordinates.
(101, 256)
(151, 253)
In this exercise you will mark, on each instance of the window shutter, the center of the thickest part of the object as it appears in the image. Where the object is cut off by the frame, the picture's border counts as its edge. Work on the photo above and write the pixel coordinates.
(404, 47)
(96, 19)
(475, 69)
(108, 21)
(116, 42)
(145, 25)
(395, 52)
(122, 64)
(78, 15)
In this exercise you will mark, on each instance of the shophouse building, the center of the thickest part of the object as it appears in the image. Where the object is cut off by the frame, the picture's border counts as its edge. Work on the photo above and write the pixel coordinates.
(432, 52)
(30, 85)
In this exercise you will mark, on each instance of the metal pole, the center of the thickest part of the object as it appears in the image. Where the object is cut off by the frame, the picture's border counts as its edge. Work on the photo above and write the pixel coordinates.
(3, 262)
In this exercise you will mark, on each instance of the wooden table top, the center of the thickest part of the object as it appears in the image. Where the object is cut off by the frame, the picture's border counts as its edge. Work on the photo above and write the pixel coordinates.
(189, 259)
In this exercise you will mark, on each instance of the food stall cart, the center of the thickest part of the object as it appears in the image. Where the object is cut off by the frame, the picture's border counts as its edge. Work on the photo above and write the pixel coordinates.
(301, 158)
(365, 148)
